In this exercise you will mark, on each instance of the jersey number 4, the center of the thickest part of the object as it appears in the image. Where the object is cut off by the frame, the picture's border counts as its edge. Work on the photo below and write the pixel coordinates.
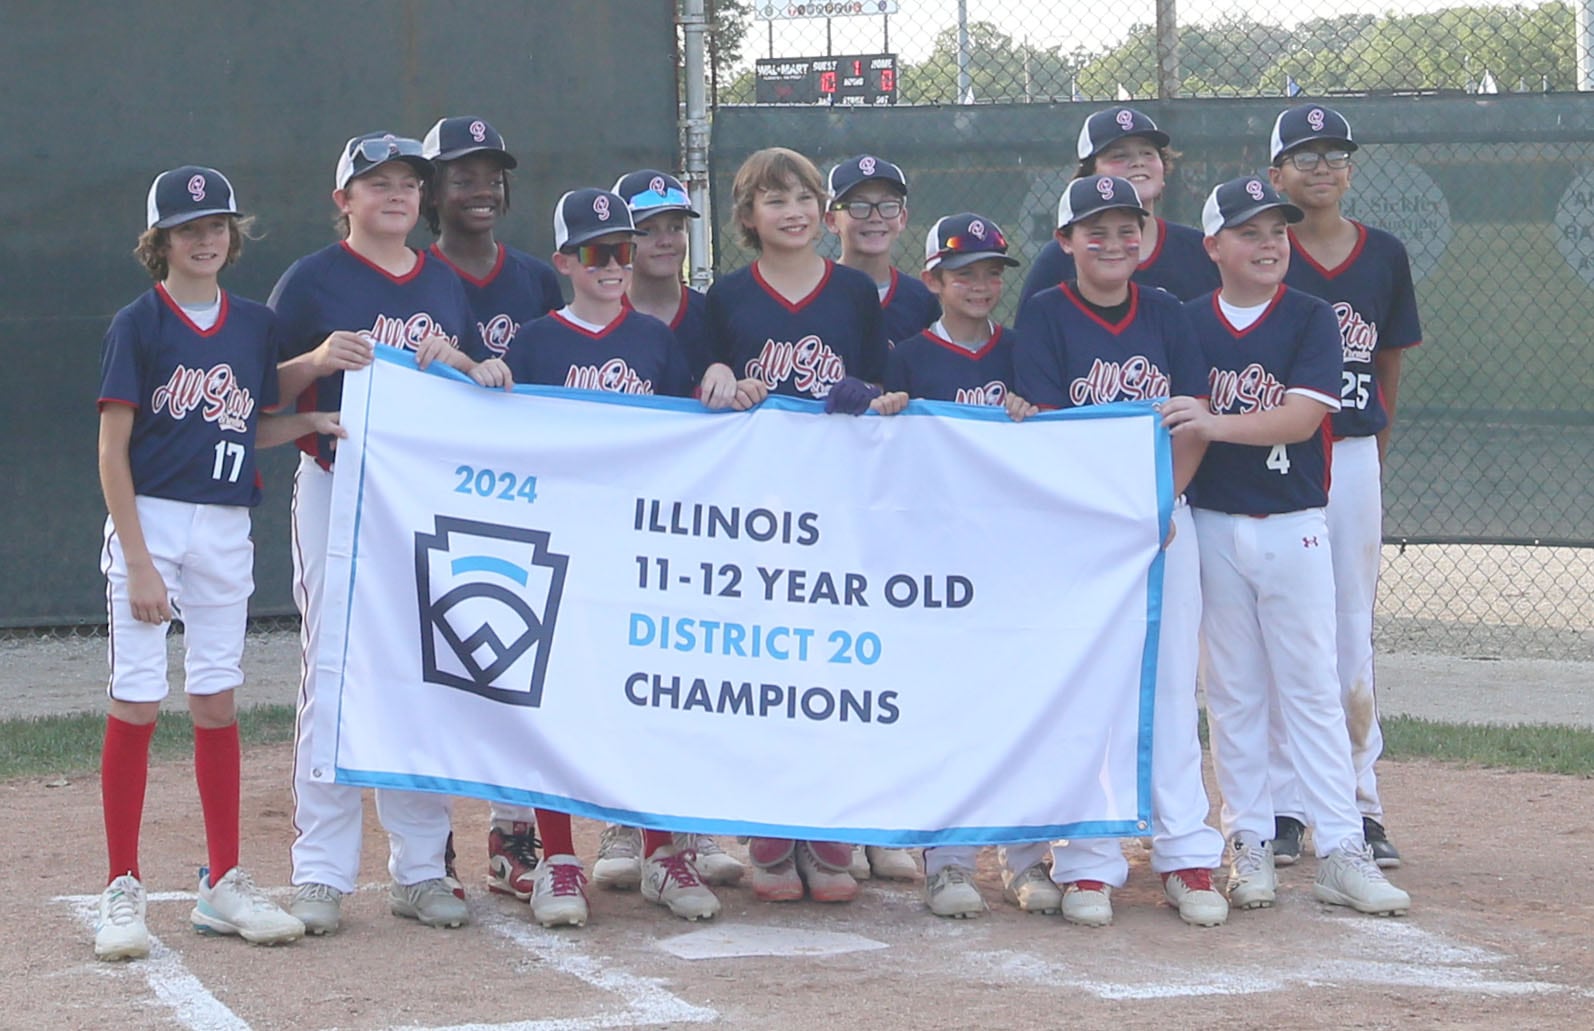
(1278, 459)
(229, 461)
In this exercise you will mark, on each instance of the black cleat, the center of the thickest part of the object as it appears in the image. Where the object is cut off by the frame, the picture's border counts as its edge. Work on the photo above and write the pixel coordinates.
(1287, 834)
(1385, 854)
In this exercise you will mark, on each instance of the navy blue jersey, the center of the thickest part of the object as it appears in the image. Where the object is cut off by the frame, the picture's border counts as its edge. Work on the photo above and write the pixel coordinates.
(930, 366)
(634, 354)
(800, 349)
(1292, 349)
(1179, 265)
(690, 325)
(1376, 305)
(518, 289)
(197, 395)
(334, 288)
(908, 306)
(1070, 357)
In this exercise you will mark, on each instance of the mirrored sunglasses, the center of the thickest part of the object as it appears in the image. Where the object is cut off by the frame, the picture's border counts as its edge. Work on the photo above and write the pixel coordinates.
(598, 255)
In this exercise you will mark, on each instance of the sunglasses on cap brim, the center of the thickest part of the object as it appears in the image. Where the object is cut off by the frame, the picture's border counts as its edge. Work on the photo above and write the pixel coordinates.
(384, 148)
(648, 199)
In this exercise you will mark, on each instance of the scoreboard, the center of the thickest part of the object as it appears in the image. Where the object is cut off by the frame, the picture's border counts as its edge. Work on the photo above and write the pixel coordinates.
(858, 80)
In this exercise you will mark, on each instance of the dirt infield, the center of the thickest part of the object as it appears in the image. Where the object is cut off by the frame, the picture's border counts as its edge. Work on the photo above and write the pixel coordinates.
(1498, 937)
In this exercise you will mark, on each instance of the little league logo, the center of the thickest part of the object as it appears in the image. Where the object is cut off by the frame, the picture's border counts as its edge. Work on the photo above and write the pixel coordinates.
(489, 601)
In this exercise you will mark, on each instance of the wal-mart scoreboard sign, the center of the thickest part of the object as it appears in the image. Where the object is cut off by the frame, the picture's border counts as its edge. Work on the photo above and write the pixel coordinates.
(633, 609)
(866, 80)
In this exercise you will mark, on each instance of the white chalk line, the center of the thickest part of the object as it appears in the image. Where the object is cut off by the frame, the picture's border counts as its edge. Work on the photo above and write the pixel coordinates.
(163, 970)
(647, 1002)
(1392, 953)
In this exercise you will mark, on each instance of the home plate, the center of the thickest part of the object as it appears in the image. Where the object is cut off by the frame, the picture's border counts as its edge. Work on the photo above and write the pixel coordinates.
(727, 941)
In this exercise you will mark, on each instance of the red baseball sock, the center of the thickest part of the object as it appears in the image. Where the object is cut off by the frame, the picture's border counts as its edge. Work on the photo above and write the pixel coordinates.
(216, 765)
(652, 841)
(124, 773)
(554, 829)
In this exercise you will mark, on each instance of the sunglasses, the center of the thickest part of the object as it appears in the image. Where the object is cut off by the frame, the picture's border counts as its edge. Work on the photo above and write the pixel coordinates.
(861, 209)
(385, 147)
(598, 255)
(963, 243)
(1307, 160)
(671, 197)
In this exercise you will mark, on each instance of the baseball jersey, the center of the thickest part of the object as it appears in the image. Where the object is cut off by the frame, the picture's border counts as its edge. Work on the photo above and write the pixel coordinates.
(799, 349)
(336, 289)
(518, 289)
(197, 395)
(930, 366)
(908, 306)
(1179, 265)
(1292, 349)
(634, 354)
(1070, 357)
(1376, 307)
(690, 325)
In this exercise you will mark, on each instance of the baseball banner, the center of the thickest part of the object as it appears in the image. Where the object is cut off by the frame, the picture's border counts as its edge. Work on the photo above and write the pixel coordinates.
(930, 628)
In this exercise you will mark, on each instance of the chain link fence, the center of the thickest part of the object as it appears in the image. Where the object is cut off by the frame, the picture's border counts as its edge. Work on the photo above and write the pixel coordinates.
(1478, 151)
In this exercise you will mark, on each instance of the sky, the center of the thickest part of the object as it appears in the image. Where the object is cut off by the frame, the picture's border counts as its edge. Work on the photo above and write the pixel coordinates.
(1102, 26)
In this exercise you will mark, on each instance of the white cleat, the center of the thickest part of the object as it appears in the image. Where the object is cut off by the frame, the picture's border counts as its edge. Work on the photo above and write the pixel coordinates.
(121, 932)
(234, 905)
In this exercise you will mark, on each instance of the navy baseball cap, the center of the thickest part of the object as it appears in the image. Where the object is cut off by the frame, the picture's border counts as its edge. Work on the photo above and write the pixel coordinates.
(1238, 201)
(1095, 193)
(862, 169)
(1306, 124)
(455, 137)
(958, 240)
(583, 215)
(368, 150)
(184, 194)
(1105, 127)
(648, 192)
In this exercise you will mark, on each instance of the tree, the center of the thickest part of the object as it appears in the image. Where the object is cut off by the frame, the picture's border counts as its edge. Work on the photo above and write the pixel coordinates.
(999, 67)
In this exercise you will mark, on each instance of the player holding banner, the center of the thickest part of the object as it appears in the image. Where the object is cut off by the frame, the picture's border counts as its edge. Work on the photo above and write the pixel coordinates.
(335, 306)
(1096, 339)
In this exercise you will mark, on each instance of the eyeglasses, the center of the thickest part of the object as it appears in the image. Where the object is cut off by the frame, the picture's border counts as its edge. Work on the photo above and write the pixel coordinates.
(1307, 160)
(862, 209)
(382, 148)
(598, 255)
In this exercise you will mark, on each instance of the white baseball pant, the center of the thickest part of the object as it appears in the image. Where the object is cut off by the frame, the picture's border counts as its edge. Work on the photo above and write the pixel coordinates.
(1267, 587)
(327, 815)
(1181, 839)
(1356, 525)
(205, 556)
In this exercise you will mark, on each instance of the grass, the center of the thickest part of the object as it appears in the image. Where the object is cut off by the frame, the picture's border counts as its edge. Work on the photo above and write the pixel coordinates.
(1521, 746)
(49, 745)
(52, 745)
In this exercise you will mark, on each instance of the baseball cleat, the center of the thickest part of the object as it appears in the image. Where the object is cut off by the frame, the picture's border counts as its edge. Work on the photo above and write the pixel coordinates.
(1087, 903)
(431, 901)
(950, 892)
(234, 905)
(669, 879)
(121, 932)
(1385, 854)
(559, 895)
(1032, 890)
(1349, 876)
(1252, 882)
